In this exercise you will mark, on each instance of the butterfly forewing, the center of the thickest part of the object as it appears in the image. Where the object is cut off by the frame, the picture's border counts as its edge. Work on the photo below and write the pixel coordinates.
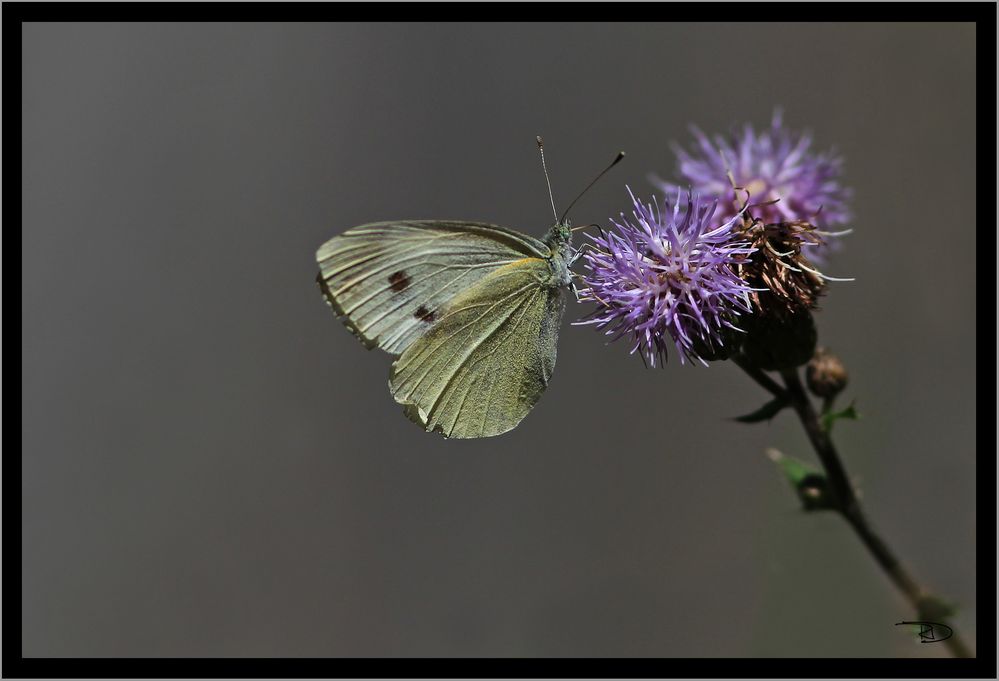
(392, 281)
(481, 368)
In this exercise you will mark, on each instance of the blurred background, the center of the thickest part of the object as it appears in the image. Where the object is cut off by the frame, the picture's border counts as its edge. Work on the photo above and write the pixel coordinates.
(213, 466)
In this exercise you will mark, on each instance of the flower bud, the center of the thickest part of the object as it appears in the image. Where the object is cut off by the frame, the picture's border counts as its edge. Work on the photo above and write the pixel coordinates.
(825, 375)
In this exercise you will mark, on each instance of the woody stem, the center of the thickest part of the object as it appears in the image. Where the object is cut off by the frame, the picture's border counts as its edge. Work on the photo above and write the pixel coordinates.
(844, 499)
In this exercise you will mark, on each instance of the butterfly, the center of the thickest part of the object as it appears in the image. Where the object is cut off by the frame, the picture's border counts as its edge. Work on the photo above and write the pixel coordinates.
(470, 310)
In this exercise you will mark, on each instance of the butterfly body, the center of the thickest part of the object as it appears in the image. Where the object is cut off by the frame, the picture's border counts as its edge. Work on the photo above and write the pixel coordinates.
(559, 241)
(470, 310)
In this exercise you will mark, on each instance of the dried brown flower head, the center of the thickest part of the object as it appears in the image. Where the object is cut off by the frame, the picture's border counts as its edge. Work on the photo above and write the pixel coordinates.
(780, 265)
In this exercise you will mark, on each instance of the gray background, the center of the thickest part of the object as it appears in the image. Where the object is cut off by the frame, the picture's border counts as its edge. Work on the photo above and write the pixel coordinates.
(213, 466)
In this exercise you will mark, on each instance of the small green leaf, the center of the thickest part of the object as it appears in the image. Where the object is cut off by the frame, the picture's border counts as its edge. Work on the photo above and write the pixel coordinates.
(793, 469)
(934, 609)
(830, 417)
(766, 412)
(810, 485)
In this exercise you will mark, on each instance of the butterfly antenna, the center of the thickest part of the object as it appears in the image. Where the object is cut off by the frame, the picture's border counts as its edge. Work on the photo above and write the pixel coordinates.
(617, 159)
(544, 166)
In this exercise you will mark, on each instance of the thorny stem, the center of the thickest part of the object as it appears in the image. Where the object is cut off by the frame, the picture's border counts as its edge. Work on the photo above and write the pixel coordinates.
(845, 501)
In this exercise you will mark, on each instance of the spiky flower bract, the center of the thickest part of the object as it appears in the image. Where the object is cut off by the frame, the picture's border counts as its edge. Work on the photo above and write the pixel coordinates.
(669, 274)
(774, 165)
(779, 270)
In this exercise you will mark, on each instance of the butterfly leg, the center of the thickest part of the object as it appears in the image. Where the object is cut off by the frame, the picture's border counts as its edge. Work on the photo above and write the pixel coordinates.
(593, 247)
(578, 252)
(575, 289)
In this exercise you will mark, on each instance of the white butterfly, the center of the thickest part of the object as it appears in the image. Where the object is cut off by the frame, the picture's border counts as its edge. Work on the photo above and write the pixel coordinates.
(471, 310)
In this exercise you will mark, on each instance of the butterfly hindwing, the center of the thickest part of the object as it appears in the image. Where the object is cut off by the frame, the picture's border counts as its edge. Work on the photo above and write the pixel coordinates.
(485, 363)
(391, 281)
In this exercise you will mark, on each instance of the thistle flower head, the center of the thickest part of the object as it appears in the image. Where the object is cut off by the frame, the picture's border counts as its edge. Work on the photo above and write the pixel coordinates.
(776, 166)
(669, 274)
(780, 333)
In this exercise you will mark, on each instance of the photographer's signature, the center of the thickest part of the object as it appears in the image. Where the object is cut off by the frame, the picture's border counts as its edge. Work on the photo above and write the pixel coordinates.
(930, 632)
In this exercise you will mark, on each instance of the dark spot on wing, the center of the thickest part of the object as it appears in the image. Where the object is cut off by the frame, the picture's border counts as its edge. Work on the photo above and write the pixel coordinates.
(424, 314)
(399, 281)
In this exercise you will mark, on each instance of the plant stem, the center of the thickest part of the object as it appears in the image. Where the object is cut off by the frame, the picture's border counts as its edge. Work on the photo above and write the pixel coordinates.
(844, 499)
(760, 377)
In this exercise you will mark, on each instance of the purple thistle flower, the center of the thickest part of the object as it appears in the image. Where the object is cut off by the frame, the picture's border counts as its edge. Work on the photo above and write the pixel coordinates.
(774, 164)
(668, 273)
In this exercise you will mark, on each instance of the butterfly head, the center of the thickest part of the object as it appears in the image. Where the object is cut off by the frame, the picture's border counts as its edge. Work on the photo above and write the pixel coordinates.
(560, 235)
